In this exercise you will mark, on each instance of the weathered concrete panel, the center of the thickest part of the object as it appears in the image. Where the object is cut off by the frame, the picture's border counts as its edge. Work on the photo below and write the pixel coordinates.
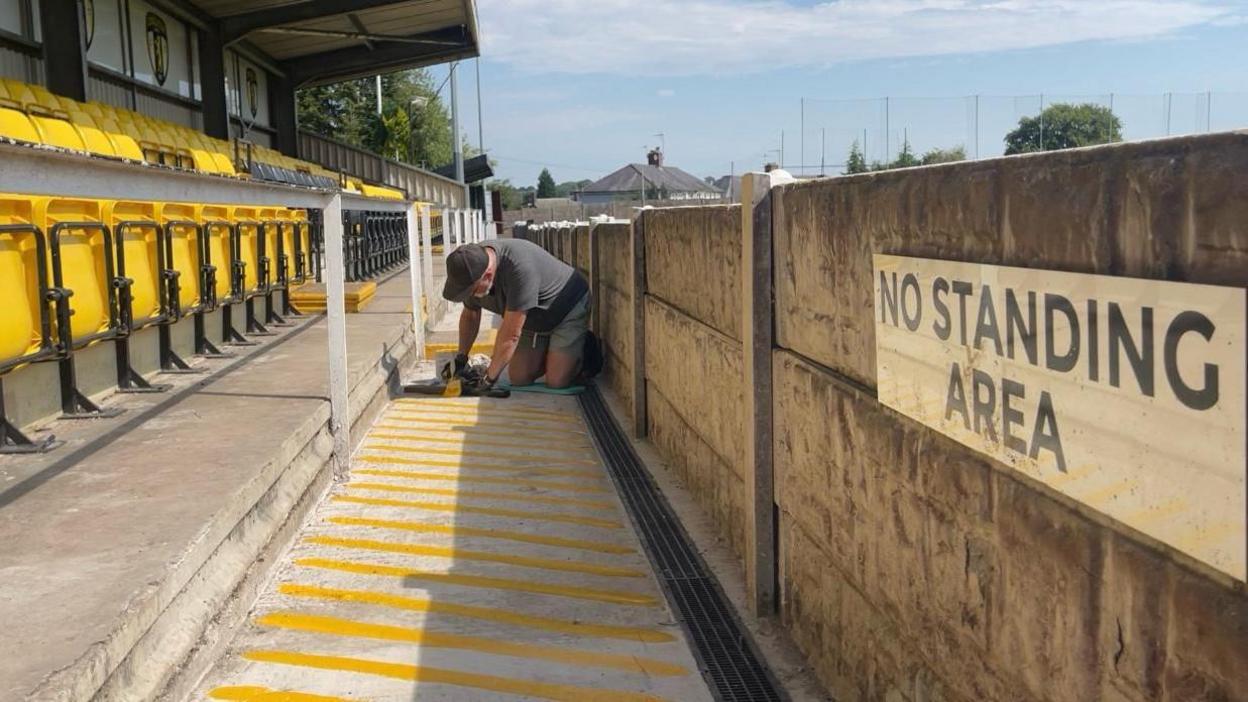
(1173, 209)
(694, 366)
(693, 262)
(614, 275)
(910, 561)
(719, 491)
(580, 245)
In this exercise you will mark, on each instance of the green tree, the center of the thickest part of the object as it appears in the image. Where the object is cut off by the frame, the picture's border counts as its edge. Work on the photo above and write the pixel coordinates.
(857, 162)
(348, 112)
(934, 156)
(567, 188)
(905, 157)
(1064, 126)
(546, 185)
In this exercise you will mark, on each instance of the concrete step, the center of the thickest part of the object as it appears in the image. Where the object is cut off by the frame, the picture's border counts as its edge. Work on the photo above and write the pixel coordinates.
(121, 577)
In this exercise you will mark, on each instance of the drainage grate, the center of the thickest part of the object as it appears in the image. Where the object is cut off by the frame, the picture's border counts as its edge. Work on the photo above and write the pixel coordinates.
(725, 653)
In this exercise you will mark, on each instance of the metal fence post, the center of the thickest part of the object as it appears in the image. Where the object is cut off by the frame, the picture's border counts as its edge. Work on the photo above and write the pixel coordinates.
(336, 314)
(415, 266)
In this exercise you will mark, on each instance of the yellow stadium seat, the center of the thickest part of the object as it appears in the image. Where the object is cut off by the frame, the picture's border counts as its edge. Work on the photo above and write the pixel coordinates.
(303, 245)
(96, 141)
(123, 144)
(25, 331)
(48, 100)
(83, 265)
(17, 126)
(57, 131)
(137, 239)
(218, 239)
(20, 93)
(246, 221)
(183, 254)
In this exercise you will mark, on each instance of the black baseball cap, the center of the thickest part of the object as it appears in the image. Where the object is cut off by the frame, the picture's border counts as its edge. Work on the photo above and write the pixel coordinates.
(464, 267)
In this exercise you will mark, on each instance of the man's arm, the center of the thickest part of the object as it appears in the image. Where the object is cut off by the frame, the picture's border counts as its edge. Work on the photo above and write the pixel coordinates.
(506, 342)
(469, 325)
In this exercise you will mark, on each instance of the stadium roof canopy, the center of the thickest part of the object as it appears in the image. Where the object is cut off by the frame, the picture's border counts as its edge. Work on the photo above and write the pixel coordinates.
(326, 41)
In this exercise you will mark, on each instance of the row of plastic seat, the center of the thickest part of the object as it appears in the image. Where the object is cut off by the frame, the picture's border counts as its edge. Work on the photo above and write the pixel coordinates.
(79, 272)
(374, 243)
(30, 113)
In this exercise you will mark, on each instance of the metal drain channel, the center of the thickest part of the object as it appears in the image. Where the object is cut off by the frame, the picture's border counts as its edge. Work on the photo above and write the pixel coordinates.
(725, 653)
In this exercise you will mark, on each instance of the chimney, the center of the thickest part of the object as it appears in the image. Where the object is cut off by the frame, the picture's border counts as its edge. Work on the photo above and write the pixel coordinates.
(655, 157)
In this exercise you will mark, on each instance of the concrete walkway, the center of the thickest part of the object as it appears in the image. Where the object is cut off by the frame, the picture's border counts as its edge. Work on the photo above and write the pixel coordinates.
(478, 552)
(118, 548)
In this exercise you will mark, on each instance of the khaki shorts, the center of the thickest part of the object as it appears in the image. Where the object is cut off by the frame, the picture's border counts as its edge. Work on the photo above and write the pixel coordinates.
(568, 337)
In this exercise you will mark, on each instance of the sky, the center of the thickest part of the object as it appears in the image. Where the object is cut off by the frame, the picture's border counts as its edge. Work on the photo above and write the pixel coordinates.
(583, 87)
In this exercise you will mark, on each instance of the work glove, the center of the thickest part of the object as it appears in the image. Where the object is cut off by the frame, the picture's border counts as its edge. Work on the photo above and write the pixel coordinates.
(464, 371)
(482, 386)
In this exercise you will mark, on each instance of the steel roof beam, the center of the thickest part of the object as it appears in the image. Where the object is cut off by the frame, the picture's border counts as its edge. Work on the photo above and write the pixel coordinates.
(238, 26)
(418, 49)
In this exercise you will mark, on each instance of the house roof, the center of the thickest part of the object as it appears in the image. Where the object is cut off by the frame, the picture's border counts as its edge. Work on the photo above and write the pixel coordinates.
(631, 178)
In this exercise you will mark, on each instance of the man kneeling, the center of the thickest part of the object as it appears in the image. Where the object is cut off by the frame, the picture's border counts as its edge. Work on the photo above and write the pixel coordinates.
(544, 303)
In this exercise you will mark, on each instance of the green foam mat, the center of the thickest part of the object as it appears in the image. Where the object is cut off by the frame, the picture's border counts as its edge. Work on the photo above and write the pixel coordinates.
(542, 389)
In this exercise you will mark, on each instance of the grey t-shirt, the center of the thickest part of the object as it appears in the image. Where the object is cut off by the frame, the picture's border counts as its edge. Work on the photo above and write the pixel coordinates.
(529, 279)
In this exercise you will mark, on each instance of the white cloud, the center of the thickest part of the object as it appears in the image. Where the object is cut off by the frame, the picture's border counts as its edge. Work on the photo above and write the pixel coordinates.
(699, 37)
(666, 92)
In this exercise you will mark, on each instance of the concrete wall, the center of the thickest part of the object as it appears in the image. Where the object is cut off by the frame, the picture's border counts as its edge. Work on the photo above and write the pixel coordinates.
(693, 354)
(915, 569)
(613, 319)
(910, 567)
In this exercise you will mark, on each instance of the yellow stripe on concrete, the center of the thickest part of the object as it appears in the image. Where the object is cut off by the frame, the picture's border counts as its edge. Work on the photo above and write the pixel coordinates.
(425, 674)
(458, 554)
(543, 423)
(479, 495)
(500, 616)
(460, 531)
(475, 427)
(573, 472)
(531, 586)
(478, 430)
(479, 407)
(466, 441)
(490, 511)
(485, 479)
(460, 453)
(336, 626)
(256, 693)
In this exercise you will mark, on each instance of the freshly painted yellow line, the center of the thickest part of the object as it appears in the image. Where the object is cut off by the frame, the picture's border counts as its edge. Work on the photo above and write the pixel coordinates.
(457, 554)
(479, 495)
(476, 430)
(577, 472)
(482, 408)
(468, 442)
(540, 588)
(545, 423)
(491, 511)
(449, 423)
(348, 627)
(500, 616)
(489, 479)
(458, 531)
(425, 674)
(508, 456)
(256, 693)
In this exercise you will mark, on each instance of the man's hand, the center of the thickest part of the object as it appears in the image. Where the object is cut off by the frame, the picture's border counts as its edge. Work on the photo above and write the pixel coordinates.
(484, 386)
(465, 371)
